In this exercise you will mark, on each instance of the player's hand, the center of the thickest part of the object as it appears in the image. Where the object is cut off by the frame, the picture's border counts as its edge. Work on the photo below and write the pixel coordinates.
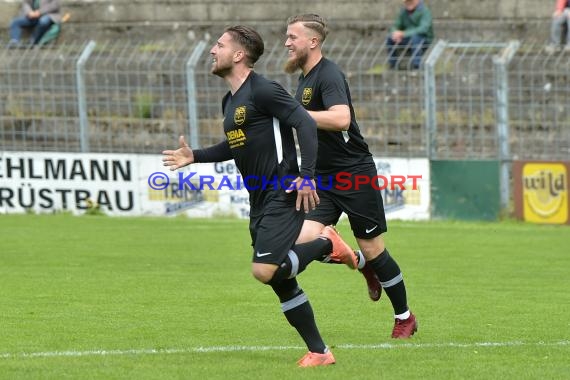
(306, 194)
(176, 159)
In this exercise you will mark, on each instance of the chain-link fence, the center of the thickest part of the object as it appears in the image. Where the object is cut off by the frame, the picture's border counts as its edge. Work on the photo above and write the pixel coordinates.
(465, 101)
(38, 99)
(489, 92)
(539, 104)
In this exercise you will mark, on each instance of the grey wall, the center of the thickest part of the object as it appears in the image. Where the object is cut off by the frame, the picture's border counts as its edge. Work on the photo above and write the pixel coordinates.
(524, 18)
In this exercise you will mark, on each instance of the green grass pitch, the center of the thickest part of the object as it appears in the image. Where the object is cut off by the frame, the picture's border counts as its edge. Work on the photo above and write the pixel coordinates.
(173, 298)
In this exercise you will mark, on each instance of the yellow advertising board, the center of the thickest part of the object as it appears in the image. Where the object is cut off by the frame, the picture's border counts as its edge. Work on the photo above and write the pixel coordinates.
(543, 192)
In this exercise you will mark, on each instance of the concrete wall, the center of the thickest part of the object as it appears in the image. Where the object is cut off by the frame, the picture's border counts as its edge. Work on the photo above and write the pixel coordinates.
(512, 17)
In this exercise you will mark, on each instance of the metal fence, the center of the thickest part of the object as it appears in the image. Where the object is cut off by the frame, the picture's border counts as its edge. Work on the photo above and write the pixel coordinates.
(486, 100)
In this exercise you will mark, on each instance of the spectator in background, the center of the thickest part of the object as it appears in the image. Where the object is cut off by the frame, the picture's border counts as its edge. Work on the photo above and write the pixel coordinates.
(412, 31)
(36, 15)
(560, 18)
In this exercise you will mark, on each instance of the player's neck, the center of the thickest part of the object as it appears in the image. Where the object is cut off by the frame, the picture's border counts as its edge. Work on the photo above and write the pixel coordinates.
(236, 78)
(311, 62)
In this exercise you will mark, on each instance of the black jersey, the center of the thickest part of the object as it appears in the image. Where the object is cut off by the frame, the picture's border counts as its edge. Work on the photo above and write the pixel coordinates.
(258, 122)
(323, 87)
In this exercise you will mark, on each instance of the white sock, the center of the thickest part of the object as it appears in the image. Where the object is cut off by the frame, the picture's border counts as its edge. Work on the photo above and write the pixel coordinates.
(403, 316)
(361, 259)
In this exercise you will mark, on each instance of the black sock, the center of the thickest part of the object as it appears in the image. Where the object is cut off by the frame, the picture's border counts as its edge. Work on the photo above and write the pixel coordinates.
(300, 256)
(317, 249)
(299, 313)
(389, 274)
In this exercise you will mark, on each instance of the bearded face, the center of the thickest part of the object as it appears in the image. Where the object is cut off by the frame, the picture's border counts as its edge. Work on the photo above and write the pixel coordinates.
(298, 46)
(221, 67)
(297, 59)
(222, 56)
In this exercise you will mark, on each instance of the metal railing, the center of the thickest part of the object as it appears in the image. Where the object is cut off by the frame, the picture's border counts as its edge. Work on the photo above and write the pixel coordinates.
(488, 100)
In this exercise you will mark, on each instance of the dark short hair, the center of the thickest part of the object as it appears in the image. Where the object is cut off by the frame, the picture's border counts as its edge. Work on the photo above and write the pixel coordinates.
(249, 39)
(312, 21)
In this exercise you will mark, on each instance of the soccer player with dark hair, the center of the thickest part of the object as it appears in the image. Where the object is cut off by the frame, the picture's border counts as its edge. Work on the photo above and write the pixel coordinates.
(259, 118)
(324, 92)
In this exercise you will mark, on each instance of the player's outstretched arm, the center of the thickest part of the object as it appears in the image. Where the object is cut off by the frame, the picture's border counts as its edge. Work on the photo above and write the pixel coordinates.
(176, 159)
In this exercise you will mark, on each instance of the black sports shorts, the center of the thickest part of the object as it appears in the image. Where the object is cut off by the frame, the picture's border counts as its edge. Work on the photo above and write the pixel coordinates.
(275, 229)
(362, 204)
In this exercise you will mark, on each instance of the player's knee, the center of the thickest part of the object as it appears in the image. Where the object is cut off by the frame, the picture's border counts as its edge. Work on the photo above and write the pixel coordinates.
(263, 272)
(372, 248)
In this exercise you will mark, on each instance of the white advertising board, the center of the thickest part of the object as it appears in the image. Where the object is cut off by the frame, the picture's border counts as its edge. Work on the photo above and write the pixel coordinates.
(48, 182)
(130, 185)
(407, 187)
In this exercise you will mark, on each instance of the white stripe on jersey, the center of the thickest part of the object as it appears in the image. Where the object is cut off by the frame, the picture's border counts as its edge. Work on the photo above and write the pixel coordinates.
(346, 136)
(278, 143)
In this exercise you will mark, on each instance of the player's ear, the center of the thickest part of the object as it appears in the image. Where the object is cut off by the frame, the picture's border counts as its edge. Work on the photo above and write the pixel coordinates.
(314, 41)
(239, 55)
